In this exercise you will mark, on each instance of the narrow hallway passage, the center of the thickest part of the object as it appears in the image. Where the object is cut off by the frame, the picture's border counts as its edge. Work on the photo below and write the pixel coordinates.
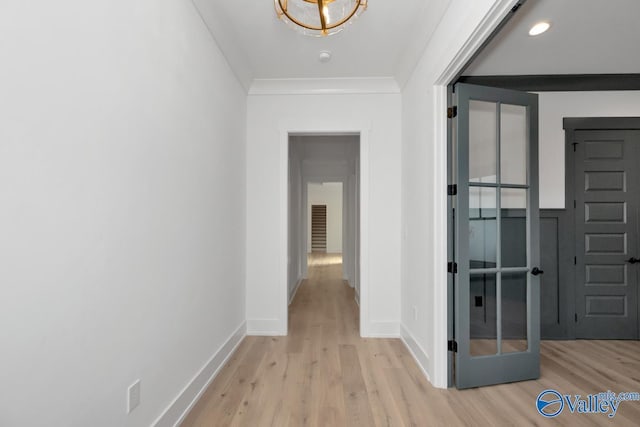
(324, 374)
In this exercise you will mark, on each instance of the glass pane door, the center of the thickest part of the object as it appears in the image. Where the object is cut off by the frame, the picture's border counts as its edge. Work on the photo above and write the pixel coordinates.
(497, 243)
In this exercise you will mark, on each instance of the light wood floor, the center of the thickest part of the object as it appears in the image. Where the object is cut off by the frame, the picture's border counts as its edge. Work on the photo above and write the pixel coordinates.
(324, 374)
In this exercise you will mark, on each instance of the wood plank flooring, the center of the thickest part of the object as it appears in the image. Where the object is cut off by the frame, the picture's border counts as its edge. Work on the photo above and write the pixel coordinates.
(324, 374)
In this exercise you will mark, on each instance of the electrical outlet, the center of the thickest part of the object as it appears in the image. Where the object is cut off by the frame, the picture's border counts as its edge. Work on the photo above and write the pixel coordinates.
(415, 313)
(133, 396)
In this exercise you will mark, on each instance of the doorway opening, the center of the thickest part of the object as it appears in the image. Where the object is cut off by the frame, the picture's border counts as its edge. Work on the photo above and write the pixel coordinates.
(587, 240)
(318, 229)
(324, 210)
(324, 224)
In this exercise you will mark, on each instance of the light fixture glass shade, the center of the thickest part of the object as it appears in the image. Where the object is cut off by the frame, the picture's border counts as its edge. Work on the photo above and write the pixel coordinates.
(319, 17)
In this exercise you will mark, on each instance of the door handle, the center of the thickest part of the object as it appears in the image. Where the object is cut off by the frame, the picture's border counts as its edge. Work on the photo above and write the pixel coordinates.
(536, 271)
(633, 260)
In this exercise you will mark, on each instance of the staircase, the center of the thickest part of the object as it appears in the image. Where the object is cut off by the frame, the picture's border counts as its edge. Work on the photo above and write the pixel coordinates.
(319, 228)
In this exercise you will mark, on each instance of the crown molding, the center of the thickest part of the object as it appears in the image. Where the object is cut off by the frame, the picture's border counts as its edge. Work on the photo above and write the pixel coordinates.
(221, 34)
(325, 86)
(431, 16)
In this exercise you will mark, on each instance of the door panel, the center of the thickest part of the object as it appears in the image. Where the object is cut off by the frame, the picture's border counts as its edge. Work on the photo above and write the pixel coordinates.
(607, 192)
(497, 301)
(551, 306)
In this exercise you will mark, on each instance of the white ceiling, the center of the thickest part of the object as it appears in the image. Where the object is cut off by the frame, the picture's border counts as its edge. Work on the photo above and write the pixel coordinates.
(586, 37)
(383, 40)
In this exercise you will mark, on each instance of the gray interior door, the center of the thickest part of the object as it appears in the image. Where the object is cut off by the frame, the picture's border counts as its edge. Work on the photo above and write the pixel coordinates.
(607, 189)
(497, 288)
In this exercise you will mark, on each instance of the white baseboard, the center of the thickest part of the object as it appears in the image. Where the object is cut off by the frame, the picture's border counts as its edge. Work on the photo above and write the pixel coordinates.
(420, 356)
(266, 327)
(187, 398)
(295, 290)
(384, 330)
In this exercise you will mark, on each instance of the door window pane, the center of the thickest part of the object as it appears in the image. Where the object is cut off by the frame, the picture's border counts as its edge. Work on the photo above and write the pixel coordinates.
(513, 223)
(482, 315)
(514, 312)
(483, 232)
(482, 141)
(513, 144)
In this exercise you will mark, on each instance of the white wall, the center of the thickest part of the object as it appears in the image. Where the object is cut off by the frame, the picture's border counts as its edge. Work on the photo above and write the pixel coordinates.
(329, 194)
(351, 252)
(380, 115)
(296, 261)
(122, 208)
(424, 189)
(554, 106)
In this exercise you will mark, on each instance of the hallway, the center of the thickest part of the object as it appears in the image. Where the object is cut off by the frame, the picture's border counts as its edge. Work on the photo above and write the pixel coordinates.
(324, 374)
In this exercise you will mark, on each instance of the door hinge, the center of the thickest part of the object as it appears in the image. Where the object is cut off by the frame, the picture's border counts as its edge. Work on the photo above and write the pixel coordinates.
(452, 345)
(574, 146)
(575, 317)
(452, 190)
(575, 260)
(574, 204)
(452, 112)
(452, 267)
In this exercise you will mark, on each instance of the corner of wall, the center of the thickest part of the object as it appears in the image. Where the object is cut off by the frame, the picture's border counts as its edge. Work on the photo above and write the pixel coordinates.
(219, 31)
(419, 354)
(293, 292)
(386, 329)
(266, 327)
(188, 397)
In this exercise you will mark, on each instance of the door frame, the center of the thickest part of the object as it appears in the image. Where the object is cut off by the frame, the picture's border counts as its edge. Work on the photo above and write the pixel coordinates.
(570, 126)
(313, 128)
(344, 180)
(490, 25)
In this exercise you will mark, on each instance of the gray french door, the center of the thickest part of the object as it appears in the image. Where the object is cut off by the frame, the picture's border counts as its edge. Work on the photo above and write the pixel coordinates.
(607, 210)
(497, 286)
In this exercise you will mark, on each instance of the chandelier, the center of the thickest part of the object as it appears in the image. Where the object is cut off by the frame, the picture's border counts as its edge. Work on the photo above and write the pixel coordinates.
(319, 17)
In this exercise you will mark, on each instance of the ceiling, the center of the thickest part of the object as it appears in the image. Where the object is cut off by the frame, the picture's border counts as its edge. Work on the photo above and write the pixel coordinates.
(383, 40)
(586, 37)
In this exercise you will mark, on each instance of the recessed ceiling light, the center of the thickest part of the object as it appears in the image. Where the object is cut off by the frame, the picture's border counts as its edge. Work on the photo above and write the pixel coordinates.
(539, 28)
